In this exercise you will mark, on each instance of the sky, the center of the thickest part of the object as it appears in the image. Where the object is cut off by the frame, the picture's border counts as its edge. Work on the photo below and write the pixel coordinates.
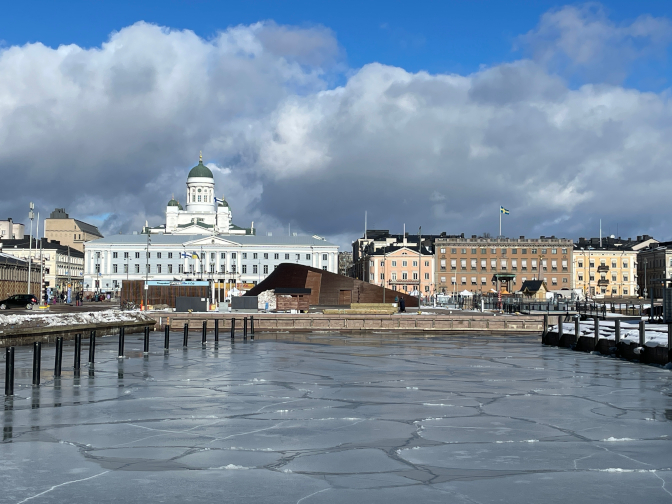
(310, 114)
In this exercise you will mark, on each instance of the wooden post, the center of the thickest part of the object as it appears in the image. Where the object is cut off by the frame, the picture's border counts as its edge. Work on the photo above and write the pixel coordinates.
(642, 333)
(545, 331)
(560, 328)
(596, 335)
(618, 331)
(577, 329)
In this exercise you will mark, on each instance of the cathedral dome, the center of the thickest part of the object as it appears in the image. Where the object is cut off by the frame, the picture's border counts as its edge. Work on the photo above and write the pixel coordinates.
(174, 202)
(200, 170)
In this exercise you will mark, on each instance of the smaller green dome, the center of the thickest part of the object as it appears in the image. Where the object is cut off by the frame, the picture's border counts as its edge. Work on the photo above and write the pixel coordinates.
(223, 203)
(200, 170)
(174, 202)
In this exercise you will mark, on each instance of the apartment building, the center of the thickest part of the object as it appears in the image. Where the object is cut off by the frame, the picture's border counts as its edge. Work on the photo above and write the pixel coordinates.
(69, 232)
(654, 265)
(501, 264)
(607, 266)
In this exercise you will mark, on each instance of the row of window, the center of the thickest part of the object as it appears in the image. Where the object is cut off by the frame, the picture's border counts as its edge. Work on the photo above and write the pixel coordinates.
(614, 277)
(404, 275)
(213, 256)
(504, 250)
(503, 263)
(484, 280)
(159, 268)
(394, 263)
(614, 264)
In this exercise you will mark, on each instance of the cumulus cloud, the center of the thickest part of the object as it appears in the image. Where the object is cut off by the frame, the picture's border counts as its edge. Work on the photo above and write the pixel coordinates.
(110, 133)
(583, 40)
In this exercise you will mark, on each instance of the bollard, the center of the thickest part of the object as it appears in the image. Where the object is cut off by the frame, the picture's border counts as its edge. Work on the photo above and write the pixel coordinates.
(244, 328)
(545, 331)
(166, 337)
(577, 328)
(617, 331)
(92, 348)
(233, 328)
(58, 358)
(78, 353)
(596, 328)
(205, 329)
(216, 331)
(561, 329)
(185, 340)
(145, 349)
(120, 354)
(252, 326)
(642, 333)
(9, 371)
(669, 342)
(37, 362)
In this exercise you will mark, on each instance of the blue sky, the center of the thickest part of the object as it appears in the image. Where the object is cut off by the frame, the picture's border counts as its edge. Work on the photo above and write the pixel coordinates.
(436, 36)
(427, 114)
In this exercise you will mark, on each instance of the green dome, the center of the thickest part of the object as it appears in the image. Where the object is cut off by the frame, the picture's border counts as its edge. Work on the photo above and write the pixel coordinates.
(174, 202)
(200, 170)
(223, 203)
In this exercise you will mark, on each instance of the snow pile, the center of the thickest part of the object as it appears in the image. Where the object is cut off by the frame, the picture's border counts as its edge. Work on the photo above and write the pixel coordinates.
(655, 335)
(266, 297)
(66, 319)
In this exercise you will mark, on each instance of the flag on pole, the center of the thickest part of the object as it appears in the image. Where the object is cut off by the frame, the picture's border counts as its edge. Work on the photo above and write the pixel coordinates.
(194, 255)
(503, 210)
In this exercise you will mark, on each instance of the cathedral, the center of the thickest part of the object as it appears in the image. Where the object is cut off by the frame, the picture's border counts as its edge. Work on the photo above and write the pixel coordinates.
(204, 212)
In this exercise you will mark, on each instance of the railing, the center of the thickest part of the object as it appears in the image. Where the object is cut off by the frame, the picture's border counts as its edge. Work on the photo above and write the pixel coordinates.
(603, 268)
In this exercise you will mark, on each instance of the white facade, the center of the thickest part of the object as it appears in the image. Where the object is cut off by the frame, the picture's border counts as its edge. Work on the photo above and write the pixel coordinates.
(237, 259)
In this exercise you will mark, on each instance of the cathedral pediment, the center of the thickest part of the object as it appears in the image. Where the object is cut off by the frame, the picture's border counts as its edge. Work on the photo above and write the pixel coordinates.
(210, 240)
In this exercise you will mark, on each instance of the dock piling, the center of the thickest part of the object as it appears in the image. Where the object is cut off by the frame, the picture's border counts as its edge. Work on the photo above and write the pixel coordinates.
(216, 330)
(185, 339)
(596, 328)
(37, 362)
(92, 348)
(233, 328)
(78, 353)
(58, 359)
(166, 337)
(642, 333)
(122, 336)
(9, 371)
(244, 328)
(205, 329)
(617, 331)
(145, 349)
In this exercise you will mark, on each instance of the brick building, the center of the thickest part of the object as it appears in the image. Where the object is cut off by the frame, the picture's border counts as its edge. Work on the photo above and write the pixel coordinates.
(494, 264)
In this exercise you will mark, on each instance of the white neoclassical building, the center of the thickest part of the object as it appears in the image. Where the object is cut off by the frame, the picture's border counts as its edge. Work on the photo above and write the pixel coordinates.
(199, 242)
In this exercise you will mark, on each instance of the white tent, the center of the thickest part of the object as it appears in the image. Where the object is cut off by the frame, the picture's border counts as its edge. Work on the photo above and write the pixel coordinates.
(466, 293)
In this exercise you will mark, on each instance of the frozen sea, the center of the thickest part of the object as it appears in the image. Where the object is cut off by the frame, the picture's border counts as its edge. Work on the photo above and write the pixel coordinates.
(326, 418)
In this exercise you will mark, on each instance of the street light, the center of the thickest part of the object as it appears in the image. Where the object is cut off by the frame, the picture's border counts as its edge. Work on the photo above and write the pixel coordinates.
(31, 215)
(149, 242)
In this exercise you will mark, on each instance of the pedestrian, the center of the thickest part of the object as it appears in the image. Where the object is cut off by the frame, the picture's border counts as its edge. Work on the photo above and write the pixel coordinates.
(402, 305)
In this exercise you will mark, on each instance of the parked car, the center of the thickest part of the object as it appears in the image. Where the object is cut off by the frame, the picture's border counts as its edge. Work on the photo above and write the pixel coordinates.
(26, 301)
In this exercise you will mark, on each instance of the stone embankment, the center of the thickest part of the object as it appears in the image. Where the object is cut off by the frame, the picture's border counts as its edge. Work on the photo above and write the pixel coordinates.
(275, 322)
(24, 329)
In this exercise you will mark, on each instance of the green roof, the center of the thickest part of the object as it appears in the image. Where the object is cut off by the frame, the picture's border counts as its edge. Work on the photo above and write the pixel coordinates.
(174, 202)
(200, 170)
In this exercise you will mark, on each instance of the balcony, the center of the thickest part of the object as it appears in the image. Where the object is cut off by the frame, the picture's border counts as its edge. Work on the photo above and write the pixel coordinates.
(602, 282)
(602, 268)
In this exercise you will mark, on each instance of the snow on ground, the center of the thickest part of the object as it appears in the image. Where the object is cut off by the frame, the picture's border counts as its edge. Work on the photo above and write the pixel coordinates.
(63, 319)
(655, 334)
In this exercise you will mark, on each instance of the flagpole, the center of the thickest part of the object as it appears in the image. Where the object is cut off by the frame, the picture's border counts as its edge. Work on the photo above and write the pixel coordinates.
(500, 221)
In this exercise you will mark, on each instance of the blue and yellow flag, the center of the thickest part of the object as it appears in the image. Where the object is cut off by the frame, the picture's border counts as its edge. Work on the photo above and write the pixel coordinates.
(503, 210)
(194, 255)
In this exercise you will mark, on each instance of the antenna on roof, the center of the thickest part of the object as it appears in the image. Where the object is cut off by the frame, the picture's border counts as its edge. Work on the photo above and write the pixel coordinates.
(365, 226)
(600, 233)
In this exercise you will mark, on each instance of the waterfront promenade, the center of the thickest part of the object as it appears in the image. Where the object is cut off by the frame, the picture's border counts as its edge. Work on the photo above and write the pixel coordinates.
(321, 418)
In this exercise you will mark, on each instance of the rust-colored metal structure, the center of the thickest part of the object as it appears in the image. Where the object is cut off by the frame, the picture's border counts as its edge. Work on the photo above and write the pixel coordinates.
(134, 291)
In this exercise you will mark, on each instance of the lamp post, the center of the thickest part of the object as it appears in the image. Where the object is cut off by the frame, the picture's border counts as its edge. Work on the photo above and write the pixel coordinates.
(419, 264)
(31, 215)
(149, 242)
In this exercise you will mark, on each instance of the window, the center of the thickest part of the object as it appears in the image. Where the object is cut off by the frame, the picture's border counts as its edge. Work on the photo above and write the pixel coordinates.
(180, 268)
(484, 264)
(276, 256)
(426, 264)
(613, 277)
(244, 268)
(533, 251)
(233, 269)
(554, 265)
(443, 279)
(554, 251)
(592, 278)
(137, 268)
(233, 255)
(443, 250)
(580, 278)
(158, 255)
(483, 281)
(125, 255)
(307, 257)
(394, 275)
(114, 268)
(298, 256)
(404, 263)
(453, 251)
(484, 251)
(324, 257)
(493, 264)
(426, 288)
(324, 268)
(523, 251)
(544, 251)
(564, 280)
(564, 265)
(473, 280)
(534, 265)
(426, 276)
(158, 268)
(503, 251)
(554, 281)
(199, 197)
(493, 250)
(255, 256)
(464, 280)
(473, 250)
(625, 277)
(137, 255)
(244, 255)
(382, 276)
(464, 251)
(212, 267)
(625, 265)
(382, 263)
(286, 257)
(592, 264)
(503, 264)
(125, 268)
(114, 255)
(613, 264)
(544, 264)
(254, 269)
(394, 263)
(514, 264)
(147, 270)
(97, 255)
(625, 292)
(514, 251)
(415, 275)
(415, 264)
(453, 264)
(170, 268)
(564, 251)
(404, 276)
(265, 269)
(473, 264)
(222, 268)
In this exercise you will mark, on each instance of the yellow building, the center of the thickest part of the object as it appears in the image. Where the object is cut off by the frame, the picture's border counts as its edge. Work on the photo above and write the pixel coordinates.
(609, 270)
(69, 232)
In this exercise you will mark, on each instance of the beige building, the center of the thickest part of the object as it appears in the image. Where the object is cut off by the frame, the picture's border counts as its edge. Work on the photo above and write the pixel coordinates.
(605, 267)
(10, 230)
(402, 269)
(69, 232)
(62, 265)
(654, 265)
(501, 264)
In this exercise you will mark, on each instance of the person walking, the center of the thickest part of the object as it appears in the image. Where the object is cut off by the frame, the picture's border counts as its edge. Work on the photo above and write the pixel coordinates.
(402, 305)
